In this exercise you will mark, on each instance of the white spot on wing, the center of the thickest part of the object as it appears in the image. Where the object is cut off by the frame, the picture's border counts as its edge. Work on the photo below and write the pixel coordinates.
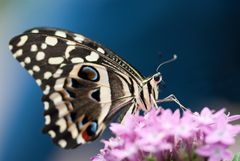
(35, 31)
(100, 50)
(62, 124)
(59, 84)
(55, 60)
(63, 64)
(10, 47)
(47, 120)
(46, 90)
(27, 60)
(18, 53)
(23, 40)
(33, 48)
(61, 34)
(44, 46)
(58, 73)
(56, 98)
(39, 82)
(77, 60)
(46, 105)
(22, 64)
(62, 143)
(71, 43)
(47, 75)
(79, 38)
(68, 50)
(52, 41)
(62, 110)
(36, 68)
(30, 72)
(92, 57)
(40, 56)
(52, 133)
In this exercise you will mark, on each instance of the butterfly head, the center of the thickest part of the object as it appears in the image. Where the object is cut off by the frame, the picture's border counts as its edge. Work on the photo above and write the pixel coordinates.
(157, 78)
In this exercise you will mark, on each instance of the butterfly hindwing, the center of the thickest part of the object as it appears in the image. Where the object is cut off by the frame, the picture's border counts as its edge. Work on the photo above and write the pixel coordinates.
(81, 102)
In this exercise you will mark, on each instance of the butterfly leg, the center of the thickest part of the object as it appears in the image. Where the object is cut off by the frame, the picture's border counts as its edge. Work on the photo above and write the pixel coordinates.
(173, 98)
(154, 102)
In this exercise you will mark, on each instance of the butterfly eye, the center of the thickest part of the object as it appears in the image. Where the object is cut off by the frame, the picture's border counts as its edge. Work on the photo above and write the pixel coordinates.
(157, 77)
(89, 73)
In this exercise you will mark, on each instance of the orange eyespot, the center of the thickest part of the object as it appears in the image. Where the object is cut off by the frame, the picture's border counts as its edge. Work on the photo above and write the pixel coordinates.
(85, 136)
(90, 131)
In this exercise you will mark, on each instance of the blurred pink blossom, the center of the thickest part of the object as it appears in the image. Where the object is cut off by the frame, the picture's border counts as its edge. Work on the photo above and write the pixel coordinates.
(163, 135)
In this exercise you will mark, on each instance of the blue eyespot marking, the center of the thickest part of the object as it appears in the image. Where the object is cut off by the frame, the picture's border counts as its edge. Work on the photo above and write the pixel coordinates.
(89, 73)
(92, 129)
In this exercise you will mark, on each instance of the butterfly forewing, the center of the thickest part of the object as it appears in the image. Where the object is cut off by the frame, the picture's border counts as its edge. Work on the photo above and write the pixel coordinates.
(84, 84)
(109, 56)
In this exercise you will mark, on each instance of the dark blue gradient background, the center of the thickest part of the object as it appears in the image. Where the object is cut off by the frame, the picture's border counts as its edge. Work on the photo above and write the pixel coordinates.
(204, 34)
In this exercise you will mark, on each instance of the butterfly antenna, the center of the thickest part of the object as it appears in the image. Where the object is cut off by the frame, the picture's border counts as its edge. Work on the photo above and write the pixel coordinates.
(166, 62)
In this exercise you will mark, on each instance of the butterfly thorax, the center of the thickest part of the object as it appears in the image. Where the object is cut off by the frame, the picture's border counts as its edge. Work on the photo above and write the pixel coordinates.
(149, 92)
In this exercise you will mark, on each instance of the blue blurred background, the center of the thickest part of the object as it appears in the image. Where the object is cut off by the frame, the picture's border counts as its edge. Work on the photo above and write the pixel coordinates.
(204, 34)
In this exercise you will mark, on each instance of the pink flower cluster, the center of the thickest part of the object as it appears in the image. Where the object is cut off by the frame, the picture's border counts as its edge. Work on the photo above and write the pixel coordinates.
(163, 135)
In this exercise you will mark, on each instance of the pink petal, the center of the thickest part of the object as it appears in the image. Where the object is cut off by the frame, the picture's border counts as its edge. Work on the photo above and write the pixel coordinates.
(233, 118)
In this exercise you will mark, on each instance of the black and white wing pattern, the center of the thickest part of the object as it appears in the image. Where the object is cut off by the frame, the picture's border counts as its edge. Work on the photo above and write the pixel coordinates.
(84, 84)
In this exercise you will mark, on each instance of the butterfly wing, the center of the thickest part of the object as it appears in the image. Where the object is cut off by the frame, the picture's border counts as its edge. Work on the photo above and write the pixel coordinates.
(83, 88)
(111, 59)
(80, 103)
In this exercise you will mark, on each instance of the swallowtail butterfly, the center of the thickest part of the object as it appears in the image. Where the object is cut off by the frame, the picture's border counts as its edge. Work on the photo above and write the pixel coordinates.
(84, 84)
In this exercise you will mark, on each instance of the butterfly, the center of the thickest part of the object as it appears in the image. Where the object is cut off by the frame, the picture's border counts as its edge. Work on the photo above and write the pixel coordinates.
(84, 84)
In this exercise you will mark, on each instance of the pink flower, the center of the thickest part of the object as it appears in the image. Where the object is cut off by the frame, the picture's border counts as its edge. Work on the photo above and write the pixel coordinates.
(98, 157)
(167, 136)
(127, 152)
(168, 121)
(205, 117)
(153, 141)
(215, 152)
(223, 132)
(186, 126)
(126, 130)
